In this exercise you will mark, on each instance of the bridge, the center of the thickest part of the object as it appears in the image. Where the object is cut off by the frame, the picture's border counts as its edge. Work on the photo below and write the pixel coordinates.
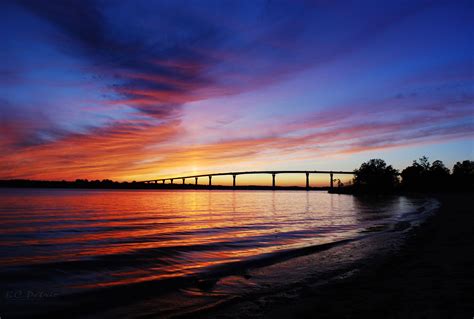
(235, 174)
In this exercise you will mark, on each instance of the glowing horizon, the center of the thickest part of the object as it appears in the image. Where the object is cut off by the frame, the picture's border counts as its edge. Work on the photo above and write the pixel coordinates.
(141, 90)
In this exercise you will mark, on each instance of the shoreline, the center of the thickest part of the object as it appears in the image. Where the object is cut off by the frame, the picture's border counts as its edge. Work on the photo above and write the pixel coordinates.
(429, 276)
(231, 292)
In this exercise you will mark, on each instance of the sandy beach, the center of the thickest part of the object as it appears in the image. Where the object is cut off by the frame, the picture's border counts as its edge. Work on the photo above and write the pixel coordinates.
(429, 277)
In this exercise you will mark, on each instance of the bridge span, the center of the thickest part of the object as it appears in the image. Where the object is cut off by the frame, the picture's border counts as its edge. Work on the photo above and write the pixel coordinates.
(235, 174)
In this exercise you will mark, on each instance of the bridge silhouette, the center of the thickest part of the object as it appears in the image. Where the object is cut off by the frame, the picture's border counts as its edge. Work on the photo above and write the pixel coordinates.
(235, 174)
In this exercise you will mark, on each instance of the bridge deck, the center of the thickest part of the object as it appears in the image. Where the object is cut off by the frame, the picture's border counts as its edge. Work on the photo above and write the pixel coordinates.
(248, 173)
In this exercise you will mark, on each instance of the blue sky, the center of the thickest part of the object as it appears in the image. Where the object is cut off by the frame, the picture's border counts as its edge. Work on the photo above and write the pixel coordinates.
(141, 89)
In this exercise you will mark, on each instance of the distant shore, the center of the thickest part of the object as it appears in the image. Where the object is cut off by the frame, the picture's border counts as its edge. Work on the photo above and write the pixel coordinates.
(139, 185)
(429, 277)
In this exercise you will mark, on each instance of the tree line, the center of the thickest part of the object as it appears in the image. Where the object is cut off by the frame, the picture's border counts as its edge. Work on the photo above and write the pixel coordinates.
(78, 183)
(375, 176)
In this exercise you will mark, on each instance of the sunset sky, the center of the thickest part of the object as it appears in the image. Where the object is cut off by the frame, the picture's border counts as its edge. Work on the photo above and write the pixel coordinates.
(135, 90)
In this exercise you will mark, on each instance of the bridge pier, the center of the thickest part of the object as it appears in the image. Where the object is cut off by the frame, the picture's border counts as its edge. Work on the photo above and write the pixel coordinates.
(170, 180)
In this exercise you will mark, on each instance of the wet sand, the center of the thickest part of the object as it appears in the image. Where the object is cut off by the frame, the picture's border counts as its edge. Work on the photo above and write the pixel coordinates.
(431, 276)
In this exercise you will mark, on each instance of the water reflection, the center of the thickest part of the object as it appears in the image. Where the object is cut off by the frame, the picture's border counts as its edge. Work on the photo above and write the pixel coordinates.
(73, 240)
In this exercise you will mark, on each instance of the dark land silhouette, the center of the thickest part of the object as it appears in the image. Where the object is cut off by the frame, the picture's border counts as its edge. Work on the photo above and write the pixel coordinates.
(109, 184)
(376, 177)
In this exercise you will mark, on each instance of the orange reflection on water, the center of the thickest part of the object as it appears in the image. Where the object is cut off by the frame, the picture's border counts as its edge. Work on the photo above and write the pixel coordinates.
(81, 239)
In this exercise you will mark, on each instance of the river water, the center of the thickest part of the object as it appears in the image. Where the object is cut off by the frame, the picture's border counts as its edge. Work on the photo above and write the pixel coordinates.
(59, 242)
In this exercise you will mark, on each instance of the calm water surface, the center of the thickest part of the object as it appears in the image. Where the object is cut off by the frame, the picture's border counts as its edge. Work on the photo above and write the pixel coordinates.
(75, 240)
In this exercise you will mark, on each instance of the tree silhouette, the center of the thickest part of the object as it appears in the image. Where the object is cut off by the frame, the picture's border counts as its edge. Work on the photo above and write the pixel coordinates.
(413, 176)
(424, 163)
(375, 176)
(438, 176)
(423, 176)
(463, 175)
